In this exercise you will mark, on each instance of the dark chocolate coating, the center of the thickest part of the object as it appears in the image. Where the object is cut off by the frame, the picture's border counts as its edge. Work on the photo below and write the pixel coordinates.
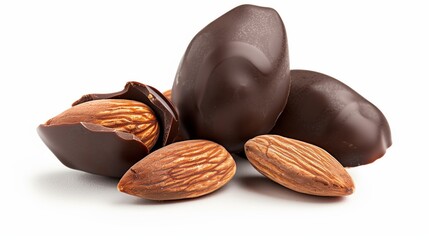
(164, 110)
(325, 112)
(93, 148)
(233, 81)
(104, 151)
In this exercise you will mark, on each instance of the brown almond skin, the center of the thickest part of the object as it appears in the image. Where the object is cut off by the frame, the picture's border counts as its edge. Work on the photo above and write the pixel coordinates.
(181, 170)
(165, 113)
(120, 114)
(299, 166)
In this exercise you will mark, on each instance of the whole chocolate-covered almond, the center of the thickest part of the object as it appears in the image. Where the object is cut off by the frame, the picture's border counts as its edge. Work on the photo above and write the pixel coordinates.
(233, 81)
(325, 112)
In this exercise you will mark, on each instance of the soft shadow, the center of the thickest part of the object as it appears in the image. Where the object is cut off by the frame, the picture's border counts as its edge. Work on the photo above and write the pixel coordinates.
(69, 185)
(73, 185)
(239, 157)
(266, 187)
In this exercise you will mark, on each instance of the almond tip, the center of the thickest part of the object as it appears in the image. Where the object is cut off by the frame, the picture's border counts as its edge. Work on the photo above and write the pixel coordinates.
(350, 190)
(120, 188)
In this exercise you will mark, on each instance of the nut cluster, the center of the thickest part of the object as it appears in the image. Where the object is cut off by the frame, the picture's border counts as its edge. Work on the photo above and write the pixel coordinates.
(234, 92)
(193, 168)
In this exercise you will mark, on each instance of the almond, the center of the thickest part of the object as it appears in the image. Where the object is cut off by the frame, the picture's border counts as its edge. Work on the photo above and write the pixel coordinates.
(299, 166)
(120, 114)
(180, 170)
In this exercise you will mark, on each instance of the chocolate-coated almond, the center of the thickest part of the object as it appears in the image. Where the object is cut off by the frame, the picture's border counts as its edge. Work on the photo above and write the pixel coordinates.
(325, 112)
(233, 81)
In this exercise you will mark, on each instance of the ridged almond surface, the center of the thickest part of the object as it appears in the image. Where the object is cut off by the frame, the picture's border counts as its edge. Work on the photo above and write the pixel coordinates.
(299, 166)
(186, 169)
(123, 115)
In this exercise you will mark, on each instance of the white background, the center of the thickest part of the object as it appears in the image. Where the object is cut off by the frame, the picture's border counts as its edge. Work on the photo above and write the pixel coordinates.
(52, 52)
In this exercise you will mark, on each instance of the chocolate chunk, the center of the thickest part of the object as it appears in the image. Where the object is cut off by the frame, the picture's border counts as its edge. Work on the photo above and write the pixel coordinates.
(93, 148)
(233, 81)
(325, 112)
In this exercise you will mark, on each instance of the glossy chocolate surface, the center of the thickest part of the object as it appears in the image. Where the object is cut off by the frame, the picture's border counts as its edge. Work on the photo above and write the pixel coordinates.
(325, 112)
(93, 148)
(233, 81)
(104, 151)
